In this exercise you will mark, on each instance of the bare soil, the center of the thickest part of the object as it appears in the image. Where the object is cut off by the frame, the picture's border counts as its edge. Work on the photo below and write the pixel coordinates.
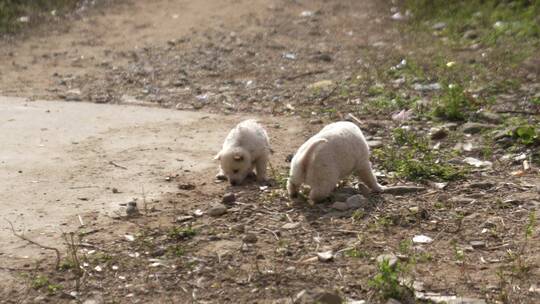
(225, 61)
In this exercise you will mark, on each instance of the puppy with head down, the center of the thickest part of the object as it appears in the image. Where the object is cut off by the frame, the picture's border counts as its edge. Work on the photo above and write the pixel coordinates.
(338, 150)
(246, 148)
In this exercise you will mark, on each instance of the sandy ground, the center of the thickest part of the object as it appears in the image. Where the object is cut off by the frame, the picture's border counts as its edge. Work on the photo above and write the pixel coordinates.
(55, 157)
(61, 160)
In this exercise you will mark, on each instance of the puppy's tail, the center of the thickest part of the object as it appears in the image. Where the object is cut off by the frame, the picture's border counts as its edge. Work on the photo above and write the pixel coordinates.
(308, 155)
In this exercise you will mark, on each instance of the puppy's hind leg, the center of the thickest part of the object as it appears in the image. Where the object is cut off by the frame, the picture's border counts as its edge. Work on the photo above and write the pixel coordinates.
(366, 175)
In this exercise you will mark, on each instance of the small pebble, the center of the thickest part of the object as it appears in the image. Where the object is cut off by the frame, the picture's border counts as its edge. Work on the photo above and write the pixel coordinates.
(228, 198)
(477, 244)
(290, 226)
(217, 210)
(250, 238)
(390, 257)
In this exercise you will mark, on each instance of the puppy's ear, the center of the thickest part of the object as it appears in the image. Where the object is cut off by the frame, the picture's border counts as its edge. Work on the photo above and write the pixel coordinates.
(218, 156)
(238, 157)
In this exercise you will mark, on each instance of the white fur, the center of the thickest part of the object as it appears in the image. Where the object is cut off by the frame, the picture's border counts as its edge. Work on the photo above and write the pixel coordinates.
(338, 150)
(246, 148)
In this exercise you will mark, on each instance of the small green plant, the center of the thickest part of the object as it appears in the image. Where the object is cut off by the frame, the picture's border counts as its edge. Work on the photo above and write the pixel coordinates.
(453, 104)
(387, 283)
(423, 257)
(181, 233)
(385, 222)
(100, 257)
(39, 282)
(355, 253)
(54, 288)
(410, 157)
(387, 103)
(176, 251)
(66, 264)
(405, 246)
(527, 134)
(358, 214)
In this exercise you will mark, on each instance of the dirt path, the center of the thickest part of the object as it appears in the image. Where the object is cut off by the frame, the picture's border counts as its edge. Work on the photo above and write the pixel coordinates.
(61, 160)
(82, 47)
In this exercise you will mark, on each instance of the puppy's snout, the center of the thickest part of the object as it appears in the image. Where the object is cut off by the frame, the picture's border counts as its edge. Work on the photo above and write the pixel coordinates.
(234, 183)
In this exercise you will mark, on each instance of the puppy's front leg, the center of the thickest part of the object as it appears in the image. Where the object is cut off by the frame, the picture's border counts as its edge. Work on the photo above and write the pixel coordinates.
(260, 166)
(221, 175)
(292, 189)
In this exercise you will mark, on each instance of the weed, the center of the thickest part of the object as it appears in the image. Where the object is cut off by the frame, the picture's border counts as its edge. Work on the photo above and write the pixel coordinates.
(410, 157)
(73, 260)
(39, 282)
(358, 214)
(387, 283)
(66, 264)
(453, 104)
(405, 246)
(527, 134)
(176, 251)
(101, 257)
(387, 103)
(181, 233)
(495, 21)
(355, 253)
(385, 222)
(54, 288)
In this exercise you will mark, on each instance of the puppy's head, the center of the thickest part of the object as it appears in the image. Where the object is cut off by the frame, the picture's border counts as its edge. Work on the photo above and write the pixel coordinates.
(236, 164)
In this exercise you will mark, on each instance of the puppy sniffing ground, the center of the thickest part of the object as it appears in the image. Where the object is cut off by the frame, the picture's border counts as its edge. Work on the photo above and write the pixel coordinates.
(246, 148)
(338, 150)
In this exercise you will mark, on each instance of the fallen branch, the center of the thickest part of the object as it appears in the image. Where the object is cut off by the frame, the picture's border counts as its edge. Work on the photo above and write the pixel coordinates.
(275, 234)
(83, 187)
(399, 190)
(516, 112)
(350, 117)
(22, 237)
(309, 73)
(117, 165)
(325, 97)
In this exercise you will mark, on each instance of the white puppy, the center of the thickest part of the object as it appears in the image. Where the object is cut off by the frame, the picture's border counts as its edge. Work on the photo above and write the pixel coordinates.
(338, 150)
(245, 148)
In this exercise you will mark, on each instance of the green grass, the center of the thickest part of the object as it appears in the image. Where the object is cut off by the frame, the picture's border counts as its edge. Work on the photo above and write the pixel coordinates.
(453, 104)
(524, 132)
(12, 10)
(387, 282)
(356, 253)
(183, 233)
(494, 21)
(176, 251)
(41, 281)
(410, 156)
(386, 102)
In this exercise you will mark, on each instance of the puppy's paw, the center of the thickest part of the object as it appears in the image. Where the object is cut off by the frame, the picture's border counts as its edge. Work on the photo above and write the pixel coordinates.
(221, 177)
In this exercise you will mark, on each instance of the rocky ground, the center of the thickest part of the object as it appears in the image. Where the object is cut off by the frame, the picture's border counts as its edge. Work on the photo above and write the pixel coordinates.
(453, 110)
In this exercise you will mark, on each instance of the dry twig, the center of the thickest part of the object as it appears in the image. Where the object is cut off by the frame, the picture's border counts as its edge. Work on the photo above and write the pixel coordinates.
(24, 238)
